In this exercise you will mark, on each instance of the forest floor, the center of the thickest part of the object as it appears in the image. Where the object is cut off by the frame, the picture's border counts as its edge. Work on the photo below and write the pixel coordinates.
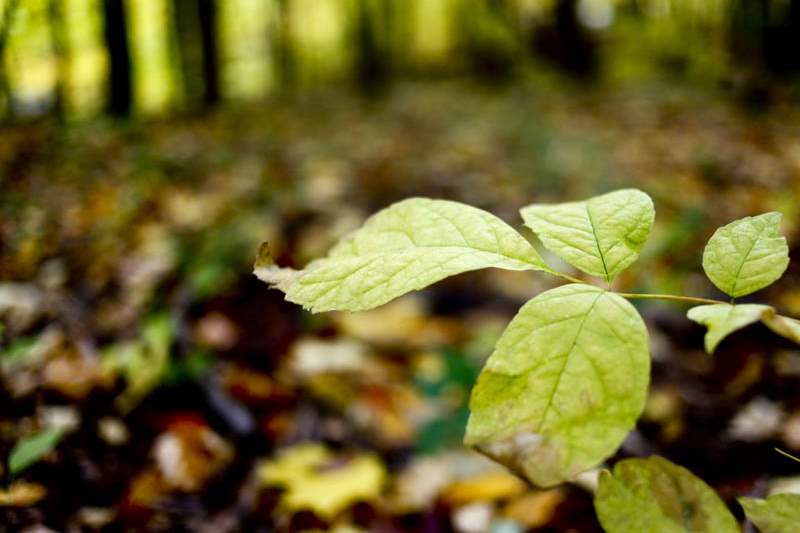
(192, 397)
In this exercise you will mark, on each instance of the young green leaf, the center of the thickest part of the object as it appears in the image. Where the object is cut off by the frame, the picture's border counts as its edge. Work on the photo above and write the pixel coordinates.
(656, 495)
(564, 385)
(30, 449)
(784, 326)
(601, 236)
(779, 513)
(405, 247)
(723, 319)
(746, 255)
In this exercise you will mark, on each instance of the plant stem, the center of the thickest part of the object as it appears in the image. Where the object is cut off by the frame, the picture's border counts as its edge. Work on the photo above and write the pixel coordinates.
(689, 299)
(566, 276)
(640, 296)
(790, 456)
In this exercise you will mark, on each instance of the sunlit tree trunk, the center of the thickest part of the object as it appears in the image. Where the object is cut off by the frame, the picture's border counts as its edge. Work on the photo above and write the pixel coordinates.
(6, 22)
(116, 38)
(487, 38)
(195, 28)
(190, 60)
(400, 32)
(282, 45)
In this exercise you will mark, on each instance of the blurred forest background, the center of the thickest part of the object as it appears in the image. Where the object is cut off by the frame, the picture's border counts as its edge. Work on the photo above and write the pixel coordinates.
(147, 148)
(77, 60)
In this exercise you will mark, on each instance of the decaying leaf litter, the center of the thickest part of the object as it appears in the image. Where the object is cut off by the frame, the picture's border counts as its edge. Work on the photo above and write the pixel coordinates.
(104, 273)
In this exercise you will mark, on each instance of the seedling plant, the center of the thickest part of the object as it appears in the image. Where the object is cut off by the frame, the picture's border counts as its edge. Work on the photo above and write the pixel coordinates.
(569, 376)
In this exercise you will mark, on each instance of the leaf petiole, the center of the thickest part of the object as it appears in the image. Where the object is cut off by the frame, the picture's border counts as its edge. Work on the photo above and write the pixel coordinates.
(688, 299)
(790, 456)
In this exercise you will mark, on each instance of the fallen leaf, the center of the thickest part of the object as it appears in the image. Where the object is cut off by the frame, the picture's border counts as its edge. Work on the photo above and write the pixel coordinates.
(188, 454)
(488, 486)
(314, 356)
(316, 479)
(403, 321)
(22, 494)
(534, 509)
(473, 518)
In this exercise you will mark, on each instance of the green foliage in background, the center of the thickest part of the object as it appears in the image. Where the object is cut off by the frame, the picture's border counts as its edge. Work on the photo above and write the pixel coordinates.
(32, 448)
(56, 56)
(144, 361)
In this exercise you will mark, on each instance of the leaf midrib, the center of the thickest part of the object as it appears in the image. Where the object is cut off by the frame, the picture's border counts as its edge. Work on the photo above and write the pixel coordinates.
(596, 241)
(566, 360)
(741, 265)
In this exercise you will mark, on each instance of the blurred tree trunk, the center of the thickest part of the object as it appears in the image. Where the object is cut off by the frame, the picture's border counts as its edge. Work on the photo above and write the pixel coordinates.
(566, 43)
(208, 30)
(116, 38)
(61, 54)
(282, 45)
(782, 39)
(6, 22)
(488, 38)
(195, 28)
(794, 32)
(748, 42)
(371, 39)
(748, 20)
(630, 8)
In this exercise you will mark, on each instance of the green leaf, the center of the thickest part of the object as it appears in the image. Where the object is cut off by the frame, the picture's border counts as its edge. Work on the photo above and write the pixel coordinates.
(564, 386)
(779, 513)
(784, 326)
(656, 495)
(723, 319)
(601, 236)
(143, 361)
(746, 255)
(30, 449)
(402, 248)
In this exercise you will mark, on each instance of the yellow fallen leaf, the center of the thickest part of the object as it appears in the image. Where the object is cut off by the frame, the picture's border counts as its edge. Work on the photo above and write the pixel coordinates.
(22, 494)
(403, 321)
(317, 479)
(534, 509)
(489, 486)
